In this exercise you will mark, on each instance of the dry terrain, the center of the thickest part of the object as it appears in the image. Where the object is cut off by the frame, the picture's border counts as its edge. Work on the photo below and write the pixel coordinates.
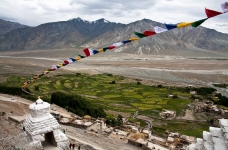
(153, 69)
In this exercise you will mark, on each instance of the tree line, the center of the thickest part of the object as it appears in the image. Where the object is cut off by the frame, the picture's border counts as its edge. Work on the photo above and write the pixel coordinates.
(77, 105)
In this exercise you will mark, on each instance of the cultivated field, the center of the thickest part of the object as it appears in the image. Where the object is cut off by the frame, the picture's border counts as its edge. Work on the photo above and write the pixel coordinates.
(135, 78)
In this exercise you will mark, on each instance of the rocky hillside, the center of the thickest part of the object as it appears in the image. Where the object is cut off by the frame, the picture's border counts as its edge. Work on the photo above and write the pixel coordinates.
(64, 34)
(102, 33)
(175, 40)
(7, 26)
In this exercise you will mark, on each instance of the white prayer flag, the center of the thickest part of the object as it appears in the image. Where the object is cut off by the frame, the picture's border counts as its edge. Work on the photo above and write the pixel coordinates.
(225, 7)
(117, 44)
(159, 29)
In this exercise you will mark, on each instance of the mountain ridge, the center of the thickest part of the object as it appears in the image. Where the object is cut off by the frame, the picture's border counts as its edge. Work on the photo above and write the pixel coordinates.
(7, 26)
(77, 32)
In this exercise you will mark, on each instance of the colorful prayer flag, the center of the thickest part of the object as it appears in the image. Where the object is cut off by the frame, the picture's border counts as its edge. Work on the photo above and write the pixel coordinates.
(159, 29)
(73, 60)
(170, 26)
(225, 7)
(81, 56)
(140, 35)
(145, 33)
(118, 44)
(90, 52)
(105, 48)
(126, 41)
(211, 13)
(133, 39)
(111, 47)
(149, 33)
(199, 22)
(54, 67)
(100, 50)
(184, 24)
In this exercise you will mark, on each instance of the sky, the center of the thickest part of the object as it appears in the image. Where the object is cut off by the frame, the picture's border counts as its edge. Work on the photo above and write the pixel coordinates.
(36, 12)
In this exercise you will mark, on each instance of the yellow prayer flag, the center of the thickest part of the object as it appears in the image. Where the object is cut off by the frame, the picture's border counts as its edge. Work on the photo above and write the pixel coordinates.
(100, 50)
(134, 39)
(184, 24)
(77, 58)
(60, 64)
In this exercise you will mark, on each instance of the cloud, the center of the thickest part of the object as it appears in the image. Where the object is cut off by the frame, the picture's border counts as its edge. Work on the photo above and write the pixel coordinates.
(35, 12)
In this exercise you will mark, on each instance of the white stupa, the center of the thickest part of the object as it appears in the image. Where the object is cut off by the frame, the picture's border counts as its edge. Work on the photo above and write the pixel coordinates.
(41, 122)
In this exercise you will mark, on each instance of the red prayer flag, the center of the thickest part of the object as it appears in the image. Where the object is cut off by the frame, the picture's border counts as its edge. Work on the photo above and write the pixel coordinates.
(66, 62)
(211, 13)
(149, 33)
(111, 47)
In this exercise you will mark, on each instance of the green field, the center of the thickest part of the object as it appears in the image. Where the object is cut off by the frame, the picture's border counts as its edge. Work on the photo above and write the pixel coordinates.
(116, 93)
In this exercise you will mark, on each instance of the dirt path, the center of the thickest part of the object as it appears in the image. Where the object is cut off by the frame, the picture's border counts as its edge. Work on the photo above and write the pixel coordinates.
(98, 141)
(7, 97)
(188, 115)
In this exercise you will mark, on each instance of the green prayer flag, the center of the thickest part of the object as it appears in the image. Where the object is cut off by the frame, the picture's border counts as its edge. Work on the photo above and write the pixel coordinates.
(81, 56)
(104, 49)
(140, 35)
(199, 22)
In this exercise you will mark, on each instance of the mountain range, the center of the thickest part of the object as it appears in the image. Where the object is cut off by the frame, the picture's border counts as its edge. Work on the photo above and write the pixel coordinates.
(101, 33)
(7, 26)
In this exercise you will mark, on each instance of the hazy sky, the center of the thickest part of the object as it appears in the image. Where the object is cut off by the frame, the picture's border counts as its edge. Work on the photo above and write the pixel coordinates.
(36, 12)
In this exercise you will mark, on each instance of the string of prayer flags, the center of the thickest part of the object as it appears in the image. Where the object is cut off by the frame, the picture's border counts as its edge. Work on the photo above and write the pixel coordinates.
(90, 52)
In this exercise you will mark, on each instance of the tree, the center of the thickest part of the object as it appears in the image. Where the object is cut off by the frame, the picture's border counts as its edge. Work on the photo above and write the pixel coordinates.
(77, 104)
(37, 88)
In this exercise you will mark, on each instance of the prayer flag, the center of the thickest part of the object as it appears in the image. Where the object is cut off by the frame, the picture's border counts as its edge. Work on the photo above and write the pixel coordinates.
(77, 58)
(100, 50)
(145, 33)
(159, 29)
(73, 60)
(104, 49)
(126, 41)
(225, 7)
(133, 39)
(66, 62)
(69, 61)
(90, 52)
(118, 44)
(149, 33)
(199, 22)
(140, 35)
(211, 13)
(170, 26)
(111, 47)
(184, 24)
(54, 67)
(81, 56)
(60, 64)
